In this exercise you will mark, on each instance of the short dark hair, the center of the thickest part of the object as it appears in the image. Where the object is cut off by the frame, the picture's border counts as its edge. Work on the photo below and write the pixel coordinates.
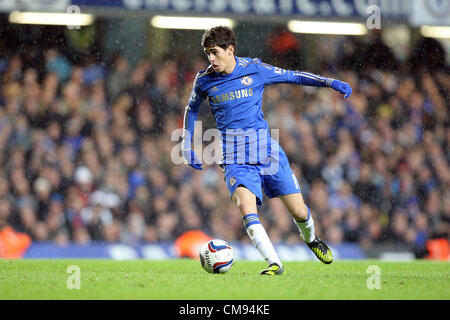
(220, 36)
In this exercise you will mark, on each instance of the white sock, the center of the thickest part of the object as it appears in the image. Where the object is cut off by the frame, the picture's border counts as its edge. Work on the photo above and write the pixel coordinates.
(260, 239)
(306, 228)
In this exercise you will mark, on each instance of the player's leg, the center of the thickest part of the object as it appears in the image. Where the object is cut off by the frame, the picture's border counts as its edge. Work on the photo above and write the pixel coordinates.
(297, 208)
(283, 183)
(246, 202)
(301, 214)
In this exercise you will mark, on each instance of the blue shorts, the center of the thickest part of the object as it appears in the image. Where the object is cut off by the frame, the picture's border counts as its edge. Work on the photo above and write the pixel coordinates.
(276, 178)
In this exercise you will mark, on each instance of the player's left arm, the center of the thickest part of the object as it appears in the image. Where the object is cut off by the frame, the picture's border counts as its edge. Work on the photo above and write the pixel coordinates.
(273, 75)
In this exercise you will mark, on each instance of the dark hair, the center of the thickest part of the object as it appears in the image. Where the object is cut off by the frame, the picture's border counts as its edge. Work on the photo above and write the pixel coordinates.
(219, 36)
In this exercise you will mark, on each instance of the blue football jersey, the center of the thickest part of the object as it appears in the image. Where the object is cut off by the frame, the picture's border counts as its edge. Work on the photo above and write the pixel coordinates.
(236, 104)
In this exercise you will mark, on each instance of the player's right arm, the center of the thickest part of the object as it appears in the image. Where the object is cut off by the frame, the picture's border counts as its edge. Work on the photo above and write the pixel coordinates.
(190, 116)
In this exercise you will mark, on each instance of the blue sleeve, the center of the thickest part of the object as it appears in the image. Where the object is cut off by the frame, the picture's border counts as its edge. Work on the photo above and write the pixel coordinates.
(191, 113)
(272, 75)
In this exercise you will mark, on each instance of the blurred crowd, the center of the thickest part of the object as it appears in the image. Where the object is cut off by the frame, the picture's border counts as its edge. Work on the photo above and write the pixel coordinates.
(86, 153)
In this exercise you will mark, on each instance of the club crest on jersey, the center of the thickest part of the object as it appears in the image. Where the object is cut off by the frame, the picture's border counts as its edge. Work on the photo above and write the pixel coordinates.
(247, 81)
(232, 181)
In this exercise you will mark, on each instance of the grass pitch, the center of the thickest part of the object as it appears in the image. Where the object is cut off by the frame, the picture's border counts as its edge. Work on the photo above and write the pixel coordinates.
(184, 279)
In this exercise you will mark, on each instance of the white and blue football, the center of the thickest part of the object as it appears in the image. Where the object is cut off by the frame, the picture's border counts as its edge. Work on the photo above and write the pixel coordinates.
(216, 256)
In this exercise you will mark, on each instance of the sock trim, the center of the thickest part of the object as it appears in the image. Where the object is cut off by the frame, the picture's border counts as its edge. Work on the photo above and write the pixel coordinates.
(250, 219)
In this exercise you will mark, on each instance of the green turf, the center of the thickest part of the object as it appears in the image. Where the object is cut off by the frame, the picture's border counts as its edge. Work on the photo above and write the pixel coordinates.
(184, 279)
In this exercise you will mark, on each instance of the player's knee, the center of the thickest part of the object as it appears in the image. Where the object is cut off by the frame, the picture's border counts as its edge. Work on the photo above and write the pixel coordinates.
(299, 212)
(247, 208)
(245, 205)
(245, 202)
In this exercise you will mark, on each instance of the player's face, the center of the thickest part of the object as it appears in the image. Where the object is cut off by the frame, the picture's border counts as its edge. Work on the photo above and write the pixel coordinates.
(221, 60)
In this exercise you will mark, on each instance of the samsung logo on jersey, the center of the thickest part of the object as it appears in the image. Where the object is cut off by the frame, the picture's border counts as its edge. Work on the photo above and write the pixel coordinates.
(237, 94)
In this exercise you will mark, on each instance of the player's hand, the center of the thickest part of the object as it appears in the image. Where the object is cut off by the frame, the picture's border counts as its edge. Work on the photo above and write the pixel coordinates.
(342, 87)
(192, 159)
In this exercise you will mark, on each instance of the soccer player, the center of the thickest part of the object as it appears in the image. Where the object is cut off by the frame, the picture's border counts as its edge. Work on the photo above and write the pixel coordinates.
(252, 159)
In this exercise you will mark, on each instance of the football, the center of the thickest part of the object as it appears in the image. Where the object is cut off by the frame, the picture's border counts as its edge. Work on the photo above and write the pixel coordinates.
(216, 256)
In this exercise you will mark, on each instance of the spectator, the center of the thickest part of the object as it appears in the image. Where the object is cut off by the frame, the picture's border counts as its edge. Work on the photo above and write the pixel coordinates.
(56, 62)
